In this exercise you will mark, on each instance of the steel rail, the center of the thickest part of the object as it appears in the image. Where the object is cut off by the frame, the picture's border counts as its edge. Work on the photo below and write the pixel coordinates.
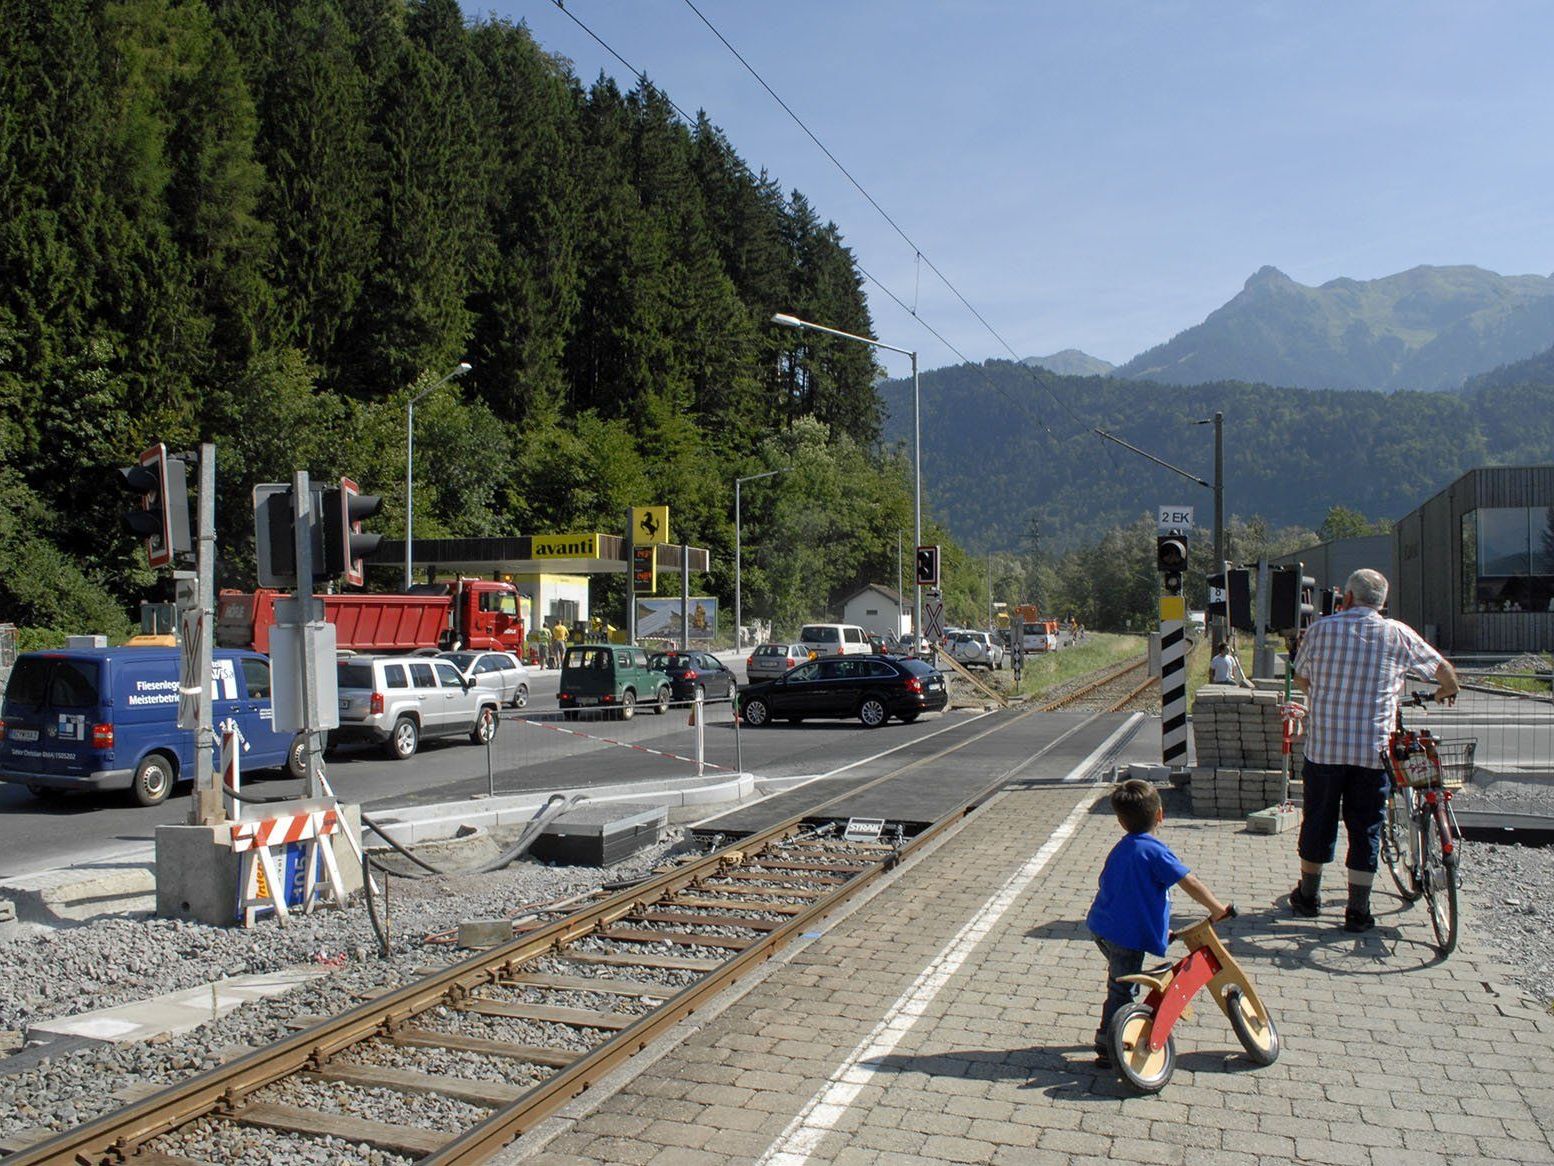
(1116, 673)
(117, 1136)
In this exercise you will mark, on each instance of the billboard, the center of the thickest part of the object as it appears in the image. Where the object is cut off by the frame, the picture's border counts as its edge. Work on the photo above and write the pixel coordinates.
(660, 618)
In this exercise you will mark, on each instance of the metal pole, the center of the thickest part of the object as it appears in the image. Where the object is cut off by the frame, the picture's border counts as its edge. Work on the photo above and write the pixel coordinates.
(631, 582)
(1262, 667)
(917, 500)
(738, 611)
(307, 614)
(409, 496)
(685, 597)
(208, 805)
(900, 594)
(1221, 623)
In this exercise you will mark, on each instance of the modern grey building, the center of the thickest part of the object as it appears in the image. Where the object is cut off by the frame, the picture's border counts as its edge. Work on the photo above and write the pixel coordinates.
(1474, 566)
(1332, 562)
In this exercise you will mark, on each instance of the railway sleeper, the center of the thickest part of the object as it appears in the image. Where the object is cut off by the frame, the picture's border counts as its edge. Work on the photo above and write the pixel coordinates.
(695, 920)
(398, 1139)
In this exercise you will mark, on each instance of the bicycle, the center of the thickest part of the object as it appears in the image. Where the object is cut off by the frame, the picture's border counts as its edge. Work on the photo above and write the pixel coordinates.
(1419, 836)
(1143, 1048)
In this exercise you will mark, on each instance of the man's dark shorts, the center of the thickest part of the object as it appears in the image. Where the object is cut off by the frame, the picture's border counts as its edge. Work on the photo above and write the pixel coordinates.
(1351, 793)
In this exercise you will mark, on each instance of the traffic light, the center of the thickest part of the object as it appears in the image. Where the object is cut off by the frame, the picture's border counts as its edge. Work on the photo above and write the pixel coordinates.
(1291, 598)
(162, 518)
(928, 566)
(1171, 559)
(345, 543)
(1240, 596)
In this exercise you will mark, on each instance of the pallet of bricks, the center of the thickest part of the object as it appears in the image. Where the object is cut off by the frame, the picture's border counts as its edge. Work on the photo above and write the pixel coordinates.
(1238, 735)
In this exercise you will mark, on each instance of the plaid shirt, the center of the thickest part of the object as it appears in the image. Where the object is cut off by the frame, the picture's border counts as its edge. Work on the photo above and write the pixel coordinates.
(1356, 661)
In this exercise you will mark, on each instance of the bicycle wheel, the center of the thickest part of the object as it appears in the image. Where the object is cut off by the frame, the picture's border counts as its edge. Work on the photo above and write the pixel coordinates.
(1396, 850)
(1254, 1028)
(1145, 1069)
(1439, 874)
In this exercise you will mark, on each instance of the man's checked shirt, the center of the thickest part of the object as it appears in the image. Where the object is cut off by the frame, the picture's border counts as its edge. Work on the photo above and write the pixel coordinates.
(1355, 661)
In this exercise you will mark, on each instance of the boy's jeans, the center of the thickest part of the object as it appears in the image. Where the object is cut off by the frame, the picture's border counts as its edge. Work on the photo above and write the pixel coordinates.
(1120, 961)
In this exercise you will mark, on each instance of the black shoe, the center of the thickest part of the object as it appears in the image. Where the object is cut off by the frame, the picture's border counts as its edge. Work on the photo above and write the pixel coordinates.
(1358, 921)
(1103, 1054)
(1309, 908)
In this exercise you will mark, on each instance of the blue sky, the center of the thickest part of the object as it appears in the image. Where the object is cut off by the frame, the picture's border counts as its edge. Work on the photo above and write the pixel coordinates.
(1101, 175)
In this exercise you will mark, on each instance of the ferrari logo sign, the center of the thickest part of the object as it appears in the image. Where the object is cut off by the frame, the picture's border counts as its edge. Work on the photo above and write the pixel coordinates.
(649, 525)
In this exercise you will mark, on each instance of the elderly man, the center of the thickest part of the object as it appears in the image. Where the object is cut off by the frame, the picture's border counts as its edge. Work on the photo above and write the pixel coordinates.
(1353, 664)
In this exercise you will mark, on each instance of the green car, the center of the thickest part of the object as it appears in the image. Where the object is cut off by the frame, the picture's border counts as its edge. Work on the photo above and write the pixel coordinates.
(612, 677)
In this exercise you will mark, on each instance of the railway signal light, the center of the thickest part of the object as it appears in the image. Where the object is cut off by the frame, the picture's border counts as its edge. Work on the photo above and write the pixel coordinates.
(1171, 559)
(162, 518)
(1291, 598)
(346, 545)
(928, 566)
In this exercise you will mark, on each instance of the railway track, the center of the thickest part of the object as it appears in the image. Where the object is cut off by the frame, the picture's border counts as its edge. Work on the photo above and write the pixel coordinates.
(1116, 689)
(458, 1063)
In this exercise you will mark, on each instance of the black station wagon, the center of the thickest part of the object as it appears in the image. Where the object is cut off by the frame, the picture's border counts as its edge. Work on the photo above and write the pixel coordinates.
(871, 688)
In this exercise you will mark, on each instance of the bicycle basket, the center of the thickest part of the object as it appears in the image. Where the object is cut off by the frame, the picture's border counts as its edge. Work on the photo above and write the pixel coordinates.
(1456, 760)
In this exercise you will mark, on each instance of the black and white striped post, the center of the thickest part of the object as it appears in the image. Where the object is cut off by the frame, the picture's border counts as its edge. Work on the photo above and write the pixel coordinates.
(1173, 681)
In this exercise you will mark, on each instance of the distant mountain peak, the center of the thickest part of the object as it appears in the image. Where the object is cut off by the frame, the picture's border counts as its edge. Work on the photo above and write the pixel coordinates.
(1424, 328)
(1071, 362)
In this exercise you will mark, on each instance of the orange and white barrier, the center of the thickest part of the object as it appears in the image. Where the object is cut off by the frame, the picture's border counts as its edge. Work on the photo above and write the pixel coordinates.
(262, 876)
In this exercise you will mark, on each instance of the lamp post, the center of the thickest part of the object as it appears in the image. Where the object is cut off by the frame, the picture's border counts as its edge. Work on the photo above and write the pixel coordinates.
(788, 321)
(1221, 623)
(738, 547)
(464, 367)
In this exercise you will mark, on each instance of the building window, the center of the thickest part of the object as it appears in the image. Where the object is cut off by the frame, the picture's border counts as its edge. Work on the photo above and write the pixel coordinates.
(1508, 559)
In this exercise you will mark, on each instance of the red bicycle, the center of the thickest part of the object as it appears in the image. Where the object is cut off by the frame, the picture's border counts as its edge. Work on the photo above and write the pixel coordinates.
(1419, 837)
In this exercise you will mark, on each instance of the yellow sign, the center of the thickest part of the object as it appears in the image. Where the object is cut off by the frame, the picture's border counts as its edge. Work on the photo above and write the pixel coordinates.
(564, 546)
(1172, 607)
(649, 524)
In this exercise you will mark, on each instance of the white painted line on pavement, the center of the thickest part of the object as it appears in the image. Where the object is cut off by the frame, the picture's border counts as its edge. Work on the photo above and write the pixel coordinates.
(804, 1133)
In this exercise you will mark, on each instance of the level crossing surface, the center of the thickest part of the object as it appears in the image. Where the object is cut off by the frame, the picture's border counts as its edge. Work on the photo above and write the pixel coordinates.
(948, 1017)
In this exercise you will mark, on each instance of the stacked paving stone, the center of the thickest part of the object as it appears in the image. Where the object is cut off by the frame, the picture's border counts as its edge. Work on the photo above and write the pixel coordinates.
(1238, 734)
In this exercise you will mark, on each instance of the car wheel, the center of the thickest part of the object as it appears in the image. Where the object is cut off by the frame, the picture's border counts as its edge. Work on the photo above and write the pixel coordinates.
(485, 726)
(756, 713)
(153, 780)
(404, 740)
(628, 705)
(661, 704)
(521, 697)
(872, 712)
(297, 757)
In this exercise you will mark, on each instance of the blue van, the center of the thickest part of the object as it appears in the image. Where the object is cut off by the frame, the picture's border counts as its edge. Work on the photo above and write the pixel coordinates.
(107, 718)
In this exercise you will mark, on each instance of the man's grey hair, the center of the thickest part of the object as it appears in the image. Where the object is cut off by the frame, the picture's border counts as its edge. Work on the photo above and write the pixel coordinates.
(1368, 587)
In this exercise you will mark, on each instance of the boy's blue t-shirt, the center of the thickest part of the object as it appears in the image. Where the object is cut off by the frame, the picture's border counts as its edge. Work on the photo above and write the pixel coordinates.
(1132, 907)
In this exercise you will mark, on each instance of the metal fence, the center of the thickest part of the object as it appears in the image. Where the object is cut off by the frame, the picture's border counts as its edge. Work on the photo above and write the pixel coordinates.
(552, 749)
(1507, 708)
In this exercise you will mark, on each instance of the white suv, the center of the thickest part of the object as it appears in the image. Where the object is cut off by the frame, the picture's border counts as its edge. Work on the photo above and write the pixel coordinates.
(394, 701)
(977, 648)
(835, 639)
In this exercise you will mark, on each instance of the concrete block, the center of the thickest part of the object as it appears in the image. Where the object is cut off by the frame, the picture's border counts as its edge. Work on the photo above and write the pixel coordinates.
(476, 933)
(1273, 820)
(83, 892)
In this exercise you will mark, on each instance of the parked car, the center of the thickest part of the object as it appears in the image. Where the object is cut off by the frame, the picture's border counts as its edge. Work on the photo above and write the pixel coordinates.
(394, 701)
(977, 649)
(502, 673)
(871, 688)
(88, 719)
(613, 677)
(835, 639)
(690, 672)
(770, 661)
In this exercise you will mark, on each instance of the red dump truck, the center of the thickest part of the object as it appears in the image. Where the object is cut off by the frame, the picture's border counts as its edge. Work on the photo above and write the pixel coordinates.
(468, 613)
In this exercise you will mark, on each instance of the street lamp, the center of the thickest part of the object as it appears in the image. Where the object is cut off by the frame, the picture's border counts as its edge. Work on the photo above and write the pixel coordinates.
(1221, 629)
(464, 367)
(788, 321)
(738, 482)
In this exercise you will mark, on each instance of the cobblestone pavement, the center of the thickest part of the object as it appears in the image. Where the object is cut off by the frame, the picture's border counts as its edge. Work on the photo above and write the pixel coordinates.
(895, 1037)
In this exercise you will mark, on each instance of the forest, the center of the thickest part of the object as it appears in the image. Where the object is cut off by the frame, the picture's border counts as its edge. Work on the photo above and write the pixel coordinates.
(269, 224)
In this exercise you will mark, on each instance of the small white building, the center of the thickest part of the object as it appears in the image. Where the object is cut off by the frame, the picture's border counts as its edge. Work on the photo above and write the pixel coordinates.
(878, 609)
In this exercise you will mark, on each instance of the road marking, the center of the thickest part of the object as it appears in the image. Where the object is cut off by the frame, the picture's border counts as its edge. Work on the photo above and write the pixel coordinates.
(819, 1117)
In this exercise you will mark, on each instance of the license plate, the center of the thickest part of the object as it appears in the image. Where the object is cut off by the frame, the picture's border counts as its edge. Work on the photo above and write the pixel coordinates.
(588, 700)
(23, 734)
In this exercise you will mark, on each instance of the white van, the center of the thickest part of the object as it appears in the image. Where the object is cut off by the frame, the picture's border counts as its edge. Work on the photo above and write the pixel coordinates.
(835, 639)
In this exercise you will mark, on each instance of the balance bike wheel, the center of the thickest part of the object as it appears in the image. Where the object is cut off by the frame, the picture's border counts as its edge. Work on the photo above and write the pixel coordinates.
(1254, 1029)
(1146, 1070)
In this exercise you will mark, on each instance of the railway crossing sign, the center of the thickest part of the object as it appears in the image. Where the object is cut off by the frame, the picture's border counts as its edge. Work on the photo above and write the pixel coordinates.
(933, 616)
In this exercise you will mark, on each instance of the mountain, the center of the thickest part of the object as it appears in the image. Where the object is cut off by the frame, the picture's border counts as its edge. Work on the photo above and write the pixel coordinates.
(1426, 328)
(1071, 363)
(1005, 444)
(1535, 370)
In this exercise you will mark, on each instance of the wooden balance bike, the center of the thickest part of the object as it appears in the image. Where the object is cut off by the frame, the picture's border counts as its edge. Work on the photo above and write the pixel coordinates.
(1142, 1047)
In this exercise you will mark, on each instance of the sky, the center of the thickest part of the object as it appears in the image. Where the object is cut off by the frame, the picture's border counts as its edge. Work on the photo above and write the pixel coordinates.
(1103, 174)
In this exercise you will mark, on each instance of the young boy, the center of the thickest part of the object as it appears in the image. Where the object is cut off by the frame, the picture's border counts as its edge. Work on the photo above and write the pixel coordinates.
(1131, 914)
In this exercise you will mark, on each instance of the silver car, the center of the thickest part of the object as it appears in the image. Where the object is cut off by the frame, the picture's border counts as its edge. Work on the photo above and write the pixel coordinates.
(394, 701)
(977, 648)
(501, 672)
(770, 661)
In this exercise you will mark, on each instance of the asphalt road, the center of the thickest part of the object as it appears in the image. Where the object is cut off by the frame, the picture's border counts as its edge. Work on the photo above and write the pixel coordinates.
(534, 750)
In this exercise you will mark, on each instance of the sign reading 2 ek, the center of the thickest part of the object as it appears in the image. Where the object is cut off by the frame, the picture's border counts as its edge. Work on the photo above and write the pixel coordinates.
(1174, 518)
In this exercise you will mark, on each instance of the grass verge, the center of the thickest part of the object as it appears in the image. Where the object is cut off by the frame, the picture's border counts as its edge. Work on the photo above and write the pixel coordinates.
(1045, 671)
